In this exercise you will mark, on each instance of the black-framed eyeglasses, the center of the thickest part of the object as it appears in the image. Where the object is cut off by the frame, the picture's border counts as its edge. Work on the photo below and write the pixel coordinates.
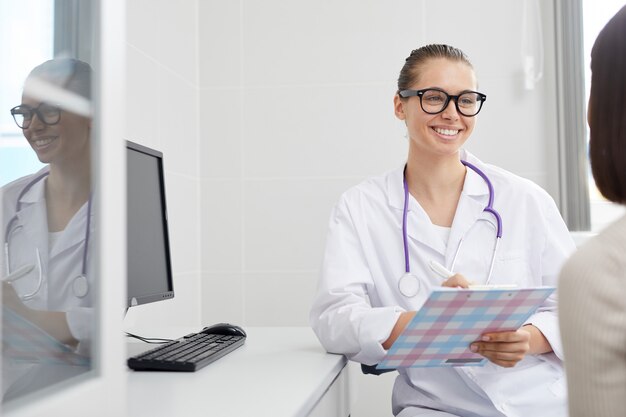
(434, 100)
(48, 114)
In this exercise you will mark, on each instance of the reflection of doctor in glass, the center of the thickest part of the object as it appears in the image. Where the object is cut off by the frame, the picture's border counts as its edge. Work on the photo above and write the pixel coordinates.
(46, 217)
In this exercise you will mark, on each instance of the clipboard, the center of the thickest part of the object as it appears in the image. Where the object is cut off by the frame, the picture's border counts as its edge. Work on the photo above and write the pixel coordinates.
(440, 333)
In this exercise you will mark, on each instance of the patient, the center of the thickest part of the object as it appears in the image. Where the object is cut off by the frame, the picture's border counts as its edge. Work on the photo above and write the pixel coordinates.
(592, 285)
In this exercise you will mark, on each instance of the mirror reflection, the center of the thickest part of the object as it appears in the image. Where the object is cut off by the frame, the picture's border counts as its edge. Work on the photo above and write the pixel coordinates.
(47, 227)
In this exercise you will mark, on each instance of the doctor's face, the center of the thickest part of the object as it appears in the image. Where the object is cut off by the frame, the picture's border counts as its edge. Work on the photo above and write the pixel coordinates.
(58, 143)
(443, 133)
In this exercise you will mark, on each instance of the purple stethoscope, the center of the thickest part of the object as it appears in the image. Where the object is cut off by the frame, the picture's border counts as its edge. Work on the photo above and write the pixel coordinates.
(409, 284)
(80, 285)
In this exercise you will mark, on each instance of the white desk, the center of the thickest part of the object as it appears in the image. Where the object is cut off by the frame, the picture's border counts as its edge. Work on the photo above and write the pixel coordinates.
(278, 372)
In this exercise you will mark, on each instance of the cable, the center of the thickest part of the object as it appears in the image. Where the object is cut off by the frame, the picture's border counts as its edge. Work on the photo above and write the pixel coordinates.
(154, 340)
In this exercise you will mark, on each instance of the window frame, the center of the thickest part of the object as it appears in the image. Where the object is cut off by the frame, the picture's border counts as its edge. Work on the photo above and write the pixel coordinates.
(574, 198)
(84, 396)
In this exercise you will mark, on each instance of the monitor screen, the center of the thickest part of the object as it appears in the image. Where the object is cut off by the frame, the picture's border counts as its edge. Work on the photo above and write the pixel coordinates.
(149, 264)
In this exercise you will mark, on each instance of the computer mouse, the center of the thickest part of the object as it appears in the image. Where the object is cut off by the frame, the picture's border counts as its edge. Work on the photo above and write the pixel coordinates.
(224, 328)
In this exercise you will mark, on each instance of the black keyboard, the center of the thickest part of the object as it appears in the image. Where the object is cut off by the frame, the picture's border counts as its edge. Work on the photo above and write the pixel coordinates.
(188, 353)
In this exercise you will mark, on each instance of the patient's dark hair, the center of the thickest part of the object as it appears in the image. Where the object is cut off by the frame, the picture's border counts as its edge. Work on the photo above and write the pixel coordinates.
(411, 70)
(607, 109)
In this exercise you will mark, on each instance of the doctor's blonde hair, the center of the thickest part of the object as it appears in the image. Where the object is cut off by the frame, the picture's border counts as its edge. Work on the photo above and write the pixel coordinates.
(411, 70)
(68, 73)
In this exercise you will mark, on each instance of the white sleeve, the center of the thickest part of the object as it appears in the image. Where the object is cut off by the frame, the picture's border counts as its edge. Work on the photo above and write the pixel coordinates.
(558, 246)
(341, 315)
(80, 322)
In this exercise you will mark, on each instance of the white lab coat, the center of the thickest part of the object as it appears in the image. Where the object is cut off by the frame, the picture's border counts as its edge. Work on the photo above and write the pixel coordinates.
(60, 267)
(358, 301)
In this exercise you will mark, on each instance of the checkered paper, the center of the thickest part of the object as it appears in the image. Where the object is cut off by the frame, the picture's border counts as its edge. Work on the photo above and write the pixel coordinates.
(441, 331)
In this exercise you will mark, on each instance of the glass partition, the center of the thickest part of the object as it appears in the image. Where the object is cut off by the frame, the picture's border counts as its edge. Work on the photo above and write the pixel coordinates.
(48, 220)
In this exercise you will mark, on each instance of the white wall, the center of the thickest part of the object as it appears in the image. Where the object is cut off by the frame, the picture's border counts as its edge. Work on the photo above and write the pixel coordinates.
(290, 118)
(162, 113)
(267, 111)
(296, 106)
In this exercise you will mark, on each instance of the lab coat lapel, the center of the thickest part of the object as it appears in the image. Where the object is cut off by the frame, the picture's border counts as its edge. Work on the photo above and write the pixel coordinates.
(74, 233)
(419, 226)
(474, 198)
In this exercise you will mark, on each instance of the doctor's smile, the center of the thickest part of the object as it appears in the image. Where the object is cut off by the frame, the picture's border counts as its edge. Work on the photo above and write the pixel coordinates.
(446, 132)
(42, 142)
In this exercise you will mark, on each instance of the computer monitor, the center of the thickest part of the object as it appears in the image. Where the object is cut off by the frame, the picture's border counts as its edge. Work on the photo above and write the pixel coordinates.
(148, 255)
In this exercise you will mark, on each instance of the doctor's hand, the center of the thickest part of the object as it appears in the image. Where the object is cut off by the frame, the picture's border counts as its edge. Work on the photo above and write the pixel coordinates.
(401, 323)
(456, 281)
(53, 322)
(505, 349)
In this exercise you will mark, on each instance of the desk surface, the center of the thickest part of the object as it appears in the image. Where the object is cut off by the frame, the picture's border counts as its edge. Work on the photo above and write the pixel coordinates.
(279, 371)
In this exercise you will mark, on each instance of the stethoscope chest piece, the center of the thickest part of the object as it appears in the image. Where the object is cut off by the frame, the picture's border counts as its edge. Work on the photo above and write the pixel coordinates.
(80, 286)
(409, 285)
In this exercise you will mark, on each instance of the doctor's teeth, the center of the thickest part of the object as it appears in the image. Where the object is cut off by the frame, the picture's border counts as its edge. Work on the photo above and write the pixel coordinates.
(447, 132)
(43, 142)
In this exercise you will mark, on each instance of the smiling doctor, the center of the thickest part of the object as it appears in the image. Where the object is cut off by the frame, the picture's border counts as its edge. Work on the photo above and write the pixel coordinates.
(46, 216)
(47, 224)
(445, 205)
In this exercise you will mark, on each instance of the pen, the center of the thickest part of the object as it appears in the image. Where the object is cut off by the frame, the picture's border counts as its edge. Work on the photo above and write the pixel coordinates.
(440, 270)
(19, 273)
(445, 273)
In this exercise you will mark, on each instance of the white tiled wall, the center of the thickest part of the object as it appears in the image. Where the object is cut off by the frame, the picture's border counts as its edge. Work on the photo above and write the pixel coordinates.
(296, 106)
(163, 113)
